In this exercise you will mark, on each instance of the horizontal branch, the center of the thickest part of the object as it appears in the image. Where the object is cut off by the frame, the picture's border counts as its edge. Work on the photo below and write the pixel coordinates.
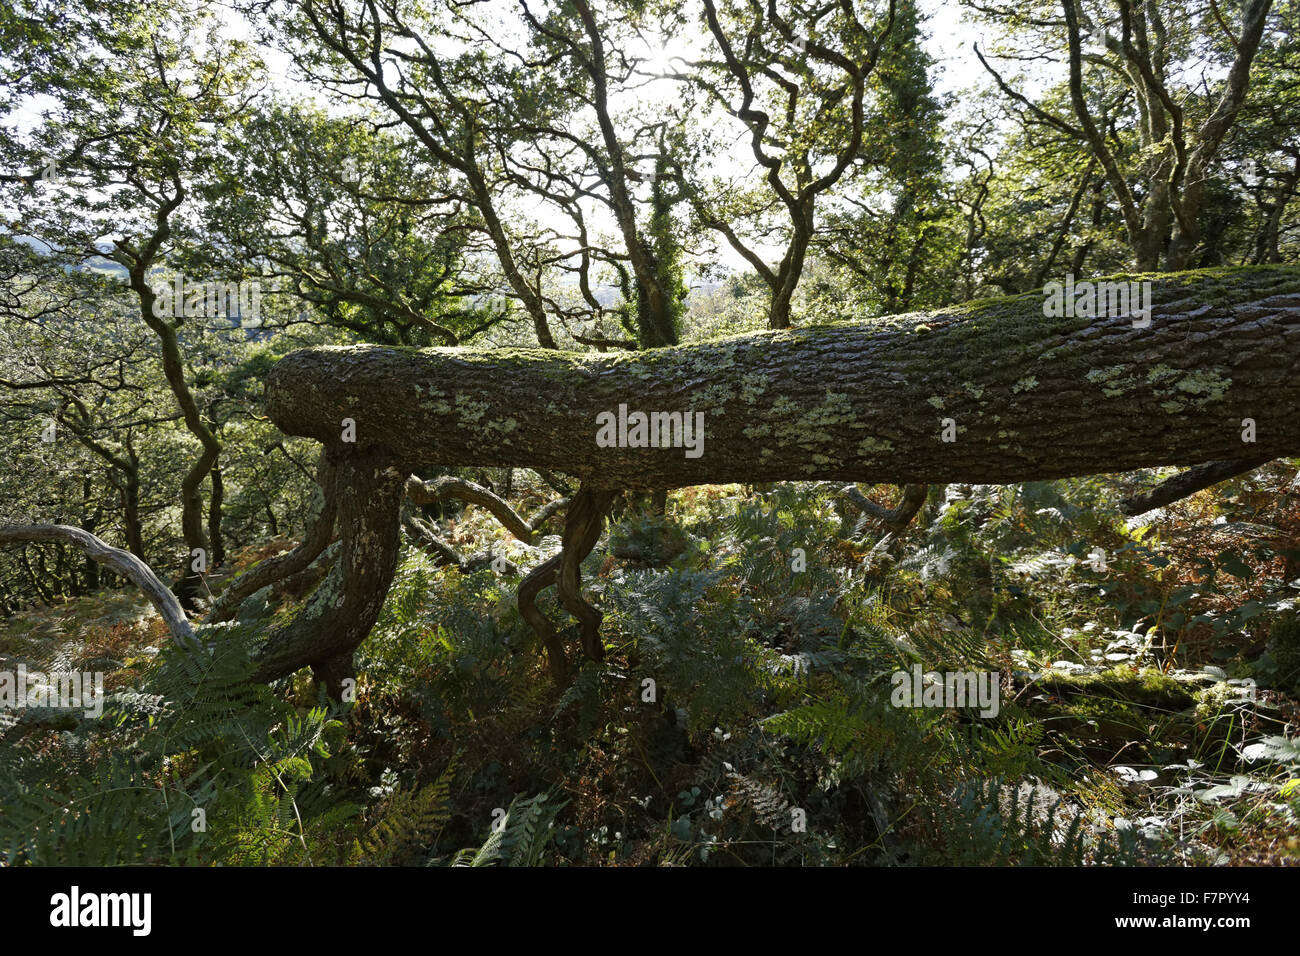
(1187, 483)
(987, 392)
(444, 553)
(431, 492)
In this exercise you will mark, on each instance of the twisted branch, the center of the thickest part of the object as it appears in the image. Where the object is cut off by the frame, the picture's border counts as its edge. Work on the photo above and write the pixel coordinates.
(123, 562)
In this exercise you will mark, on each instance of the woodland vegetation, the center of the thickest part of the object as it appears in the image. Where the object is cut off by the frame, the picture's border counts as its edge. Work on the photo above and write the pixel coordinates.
(340, 348)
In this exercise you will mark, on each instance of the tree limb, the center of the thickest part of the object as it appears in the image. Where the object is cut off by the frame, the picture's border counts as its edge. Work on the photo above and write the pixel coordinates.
(282, 566)
(122, 562)
(1187, 483)
(989, 392)
(431, 492)
(896, 518)
(444, 553)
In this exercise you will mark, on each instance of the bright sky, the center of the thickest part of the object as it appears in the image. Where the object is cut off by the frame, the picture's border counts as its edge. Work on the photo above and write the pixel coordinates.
(950, 45)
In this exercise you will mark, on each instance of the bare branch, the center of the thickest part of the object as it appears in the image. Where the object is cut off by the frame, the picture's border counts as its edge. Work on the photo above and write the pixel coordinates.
(1187, 483)
(123, 562)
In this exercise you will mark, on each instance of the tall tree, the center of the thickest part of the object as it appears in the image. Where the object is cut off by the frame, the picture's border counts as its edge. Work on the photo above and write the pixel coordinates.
(354, 225)
(886, 227)
(1155, 136)
(796, 79)
(131, 134)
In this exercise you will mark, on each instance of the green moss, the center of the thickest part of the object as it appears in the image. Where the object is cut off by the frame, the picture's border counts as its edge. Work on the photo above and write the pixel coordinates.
(1208, 385)
(1021, 331)
(752, 387)
(1148, 687)
(1211, 701)
(870, 447)
(1111, 380)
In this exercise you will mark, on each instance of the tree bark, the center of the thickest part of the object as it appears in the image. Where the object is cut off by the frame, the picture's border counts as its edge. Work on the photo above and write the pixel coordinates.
(187, 588)
(342, 609)
(131, 524)
(215, 503)
(1023, 396)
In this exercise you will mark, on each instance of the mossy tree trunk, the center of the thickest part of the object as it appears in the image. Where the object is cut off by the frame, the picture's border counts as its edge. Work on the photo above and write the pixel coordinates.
(991, 392)
(345, 605)
(987, 392)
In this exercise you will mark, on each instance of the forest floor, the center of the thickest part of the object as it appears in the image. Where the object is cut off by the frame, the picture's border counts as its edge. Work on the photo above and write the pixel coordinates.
(1146, 696)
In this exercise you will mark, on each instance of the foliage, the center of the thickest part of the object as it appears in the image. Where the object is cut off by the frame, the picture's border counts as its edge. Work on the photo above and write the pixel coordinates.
(603, 176)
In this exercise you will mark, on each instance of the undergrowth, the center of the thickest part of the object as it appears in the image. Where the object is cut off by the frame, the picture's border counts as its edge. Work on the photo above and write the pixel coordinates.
(744, 713)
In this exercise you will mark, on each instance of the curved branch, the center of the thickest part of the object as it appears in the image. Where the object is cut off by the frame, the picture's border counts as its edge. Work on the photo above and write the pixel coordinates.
(548, 511)
(123, 562)
(443, 553)
(540, 577)
(896, 518)
(582, 527)
(283, 565)
(431, 492)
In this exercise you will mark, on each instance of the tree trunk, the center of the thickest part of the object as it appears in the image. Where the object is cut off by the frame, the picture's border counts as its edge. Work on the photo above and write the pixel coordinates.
(1021, 396)
(131, 512)
(990, 392)
(215, 503)
(1268, 235)
(342, 609)
(187, 588)
(89, 522)
(790, 271)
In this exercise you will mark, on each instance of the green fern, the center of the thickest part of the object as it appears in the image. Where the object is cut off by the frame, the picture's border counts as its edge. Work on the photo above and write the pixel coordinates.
(520, 838)
(406, 824)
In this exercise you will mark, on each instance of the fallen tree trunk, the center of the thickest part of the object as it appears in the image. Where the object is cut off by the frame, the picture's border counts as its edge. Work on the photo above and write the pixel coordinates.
(992, 392)
(987, 392)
